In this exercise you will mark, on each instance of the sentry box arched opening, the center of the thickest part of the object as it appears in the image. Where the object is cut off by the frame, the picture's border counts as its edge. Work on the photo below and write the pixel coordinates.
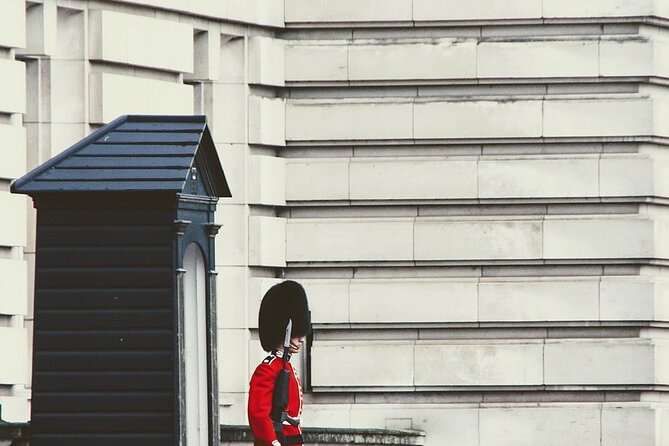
(125, 323)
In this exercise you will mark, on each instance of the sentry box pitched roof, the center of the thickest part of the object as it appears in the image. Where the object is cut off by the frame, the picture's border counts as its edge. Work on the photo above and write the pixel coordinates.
(134, 153)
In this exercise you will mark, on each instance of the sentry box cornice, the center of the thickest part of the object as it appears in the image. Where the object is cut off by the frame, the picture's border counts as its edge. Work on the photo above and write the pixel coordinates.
(125, 304)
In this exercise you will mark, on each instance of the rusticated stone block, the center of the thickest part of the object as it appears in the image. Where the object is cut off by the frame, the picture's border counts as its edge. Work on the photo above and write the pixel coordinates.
(348, 11)
(447, 10)
(267, 241)
(316, 62)
(13, 86)
(13, 287)
(13, 156)
(13, 230)
(112, 95)
(349, 239)
(142, 41)
(378, 364)
(484, 364)
(478, 119)
(327, 120)
(460, 239)
(538, 58)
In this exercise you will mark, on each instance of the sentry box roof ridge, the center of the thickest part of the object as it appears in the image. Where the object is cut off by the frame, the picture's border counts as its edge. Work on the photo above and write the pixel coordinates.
(134, 153)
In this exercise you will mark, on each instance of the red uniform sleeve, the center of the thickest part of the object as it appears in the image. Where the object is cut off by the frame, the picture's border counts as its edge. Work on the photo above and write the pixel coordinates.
(260, 402)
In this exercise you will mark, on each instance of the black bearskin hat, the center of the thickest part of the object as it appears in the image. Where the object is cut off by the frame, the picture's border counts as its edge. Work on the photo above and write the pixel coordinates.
(286, 300)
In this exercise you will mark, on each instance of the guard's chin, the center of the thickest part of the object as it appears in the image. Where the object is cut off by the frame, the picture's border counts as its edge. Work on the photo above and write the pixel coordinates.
(295, 348)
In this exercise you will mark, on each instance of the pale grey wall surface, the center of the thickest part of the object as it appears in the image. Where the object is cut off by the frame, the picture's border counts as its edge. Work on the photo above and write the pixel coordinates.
(473, 193)
(486, 227)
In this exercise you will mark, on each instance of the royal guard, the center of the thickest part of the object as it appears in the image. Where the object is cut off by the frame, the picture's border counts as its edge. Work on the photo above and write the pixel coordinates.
(275, 394)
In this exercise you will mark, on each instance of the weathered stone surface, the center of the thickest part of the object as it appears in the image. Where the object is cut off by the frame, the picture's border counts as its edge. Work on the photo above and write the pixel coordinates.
(540, 426)
(380, 364)
(13, 29)
(539, 300)
(310, 62)
(261, 12)
(459, 239)
(326, 240)
(267, 241)
(12, 87)
(206, 54)
(267, 180)
(630, 56)
(267, 121)
(624, 175)
(435, 59)
(313, 120)
(329, 416)
(444, 58)
(228, 113)
(68, 92)
(327, 179)
(13, 156)
(232, 238)
(427, 178)
(258, 12)
(317, 120)
(328, 300)
(598, 237)
(457, 425)
(382, 301)
(473, 364)
(65, 135)
(232, 377)
(266, 61)
(112, 95)
(13, 230)
(232, 407)
(232, 56)
(538, 58)
(599, 117)
(600, 362)
(232, 435)
(14, 344)
(538, 177)
(627, 425)
(546, 176)
(142, 41)
(477, 119)
(41, 20)
(13, 287)
(348, 11)
(633, 299)
(235, 157)
(233, 292)
(597, 8)
(447, 10)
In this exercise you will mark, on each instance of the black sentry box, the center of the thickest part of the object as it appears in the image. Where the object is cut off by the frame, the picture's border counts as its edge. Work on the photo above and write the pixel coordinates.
(125, 245)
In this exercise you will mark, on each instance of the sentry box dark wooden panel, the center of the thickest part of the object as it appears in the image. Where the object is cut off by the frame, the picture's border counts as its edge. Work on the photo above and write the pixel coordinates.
(125, 325)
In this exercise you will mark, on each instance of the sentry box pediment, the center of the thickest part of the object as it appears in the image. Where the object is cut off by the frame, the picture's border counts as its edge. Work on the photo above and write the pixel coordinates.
(125, 325)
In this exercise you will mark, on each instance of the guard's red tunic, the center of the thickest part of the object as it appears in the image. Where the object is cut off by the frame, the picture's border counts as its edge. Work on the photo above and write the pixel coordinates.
(260, 401)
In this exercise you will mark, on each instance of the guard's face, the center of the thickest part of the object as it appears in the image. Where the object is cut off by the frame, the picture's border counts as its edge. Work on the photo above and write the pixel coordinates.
(296, 344)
